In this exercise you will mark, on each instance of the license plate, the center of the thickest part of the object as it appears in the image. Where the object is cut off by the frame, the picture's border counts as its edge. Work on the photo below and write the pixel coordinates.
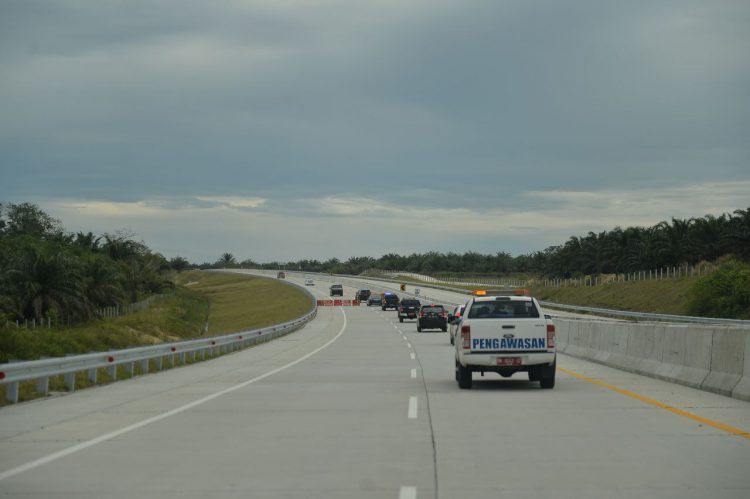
(509, 361)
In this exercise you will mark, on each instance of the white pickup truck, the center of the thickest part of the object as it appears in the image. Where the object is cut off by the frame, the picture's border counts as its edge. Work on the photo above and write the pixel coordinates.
(506, 335)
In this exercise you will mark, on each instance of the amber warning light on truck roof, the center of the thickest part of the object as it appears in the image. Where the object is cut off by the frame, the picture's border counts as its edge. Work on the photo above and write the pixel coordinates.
(502, 292)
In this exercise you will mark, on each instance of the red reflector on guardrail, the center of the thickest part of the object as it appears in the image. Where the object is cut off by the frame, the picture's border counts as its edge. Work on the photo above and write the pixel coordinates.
(240, 337)
(110, 359)
(173, 349)
(2, 375)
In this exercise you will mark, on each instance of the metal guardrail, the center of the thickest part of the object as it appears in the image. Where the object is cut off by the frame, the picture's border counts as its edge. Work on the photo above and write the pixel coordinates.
(647, 316)
(13, 373)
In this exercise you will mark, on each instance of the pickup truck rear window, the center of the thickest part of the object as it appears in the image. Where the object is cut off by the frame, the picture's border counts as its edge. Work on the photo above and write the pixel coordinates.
(410, 303)
(511, 309)
(433, 310)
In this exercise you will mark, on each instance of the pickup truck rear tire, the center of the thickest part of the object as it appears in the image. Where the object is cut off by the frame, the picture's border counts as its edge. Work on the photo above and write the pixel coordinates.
(547, 376)
(419, 329)
(463, 376)
(401, 319)
(452, 342)
(444, 329)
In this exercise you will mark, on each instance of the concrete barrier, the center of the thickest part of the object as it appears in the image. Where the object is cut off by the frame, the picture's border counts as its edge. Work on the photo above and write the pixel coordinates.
(742, 389)
(712, 358)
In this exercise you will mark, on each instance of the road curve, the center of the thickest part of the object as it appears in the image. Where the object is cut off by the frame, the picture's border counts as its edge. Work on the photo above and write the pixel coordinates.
(358, 405)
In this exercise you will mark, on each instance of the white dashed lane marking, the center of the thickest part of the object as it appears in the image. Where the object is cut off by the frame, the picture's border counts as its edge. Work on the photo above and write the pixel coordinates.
(407, 493)
(413, 407)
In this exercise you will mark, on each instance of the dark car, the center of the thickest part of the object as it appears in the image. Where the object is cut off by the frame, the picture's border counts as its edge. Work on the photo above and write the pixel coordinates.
(281, 275)
(362, 295)
(390, 300)
(337, 289)
(432, 317)
(374, 300)
(408, 309)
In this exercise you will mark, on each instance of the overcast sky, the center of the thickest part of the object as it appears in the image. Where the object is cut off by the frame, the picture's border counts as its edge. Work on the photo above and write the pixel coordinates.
(290, 129)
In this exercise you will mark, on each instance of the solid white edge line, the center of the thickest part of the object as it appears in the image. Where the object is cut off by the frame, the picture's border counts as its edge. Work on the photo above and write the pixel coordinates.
(413, 407)
(109, 436)
(408, 344)
(413, 373)
(407, 493)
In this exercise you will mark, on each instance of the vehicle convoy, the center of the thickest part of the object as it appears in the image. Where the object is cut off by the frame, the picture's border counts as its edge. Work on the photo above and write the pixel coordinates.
(408, 309)
(337, 289)
(454, 318)
(362, 295)
(281, 275)
(309, 282)
(432, 317)
(374, 301)
(506, 335)
(389, 300)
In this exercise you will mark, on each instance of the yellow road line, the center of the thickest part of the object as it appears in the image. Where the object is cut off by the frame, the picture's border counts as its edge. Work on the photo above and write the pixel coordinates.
(648, 400)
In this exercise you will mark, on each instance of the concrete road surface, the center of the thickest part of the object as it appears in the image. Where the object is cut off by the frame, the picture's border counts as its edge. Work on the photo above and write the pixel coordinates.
(358, 405)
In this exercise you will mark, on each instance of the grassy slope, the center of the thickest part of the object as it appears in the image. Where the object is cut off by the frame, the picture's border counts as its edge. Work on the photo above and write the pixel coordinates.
(668, 296)
(240, 302)
(177, 317)
(232, 303)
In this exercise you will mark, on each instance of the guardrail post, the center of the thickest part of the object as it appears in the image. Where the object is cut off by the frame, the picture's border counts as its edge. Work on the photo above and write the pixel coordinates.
(192, 355)
(130, 368)
(182, 358)
(11, 392)
(70, 381)
(92, 375)
(42, 385)
(203, 354)
(159, 363)
(112, 371)
(144, 366)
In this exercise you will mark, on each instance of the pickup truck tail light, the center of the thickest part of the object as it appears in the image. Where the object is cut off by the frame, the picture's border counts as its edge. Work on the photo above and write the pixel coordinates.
(466, 336)
(421, 314)
(550, 336)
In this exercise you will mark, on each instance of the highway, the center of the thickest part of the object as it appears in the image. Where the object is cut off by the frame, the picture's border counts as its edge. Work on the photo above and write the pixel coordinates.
(358, 405)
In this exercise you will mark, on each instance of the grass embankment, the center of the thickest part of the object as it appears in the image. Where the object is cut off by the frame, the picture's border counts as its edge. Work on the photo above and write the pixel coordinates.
(228, 302)
(668, 296)
(240, 302)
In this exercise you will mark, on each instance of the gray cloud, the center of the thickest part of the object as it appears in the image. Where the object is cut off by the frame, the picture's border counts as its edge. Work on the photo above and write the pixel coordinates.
(431, 104)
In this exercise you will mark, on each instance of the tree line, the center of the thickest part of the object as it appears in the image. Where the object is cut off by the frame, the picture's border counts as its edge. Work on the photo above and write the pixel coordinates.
(666, 244)
(47, 273)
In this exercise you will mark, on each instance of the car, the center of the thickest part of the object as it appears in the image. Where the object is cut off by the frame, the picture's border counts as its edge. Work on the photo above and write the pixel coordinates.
(281, 275)
(309, 282)
(374, 301)
(454, 318)
(505, 334)
(337, 289)
(389, 300)
(362, 295)
(408, 309)
(432, 317)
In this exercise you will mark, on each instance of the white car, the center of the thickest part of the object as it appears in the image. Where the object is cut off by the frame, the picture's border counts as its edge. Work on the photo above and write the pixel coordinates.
(309, 282)
(506, 335)
(453, 320)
